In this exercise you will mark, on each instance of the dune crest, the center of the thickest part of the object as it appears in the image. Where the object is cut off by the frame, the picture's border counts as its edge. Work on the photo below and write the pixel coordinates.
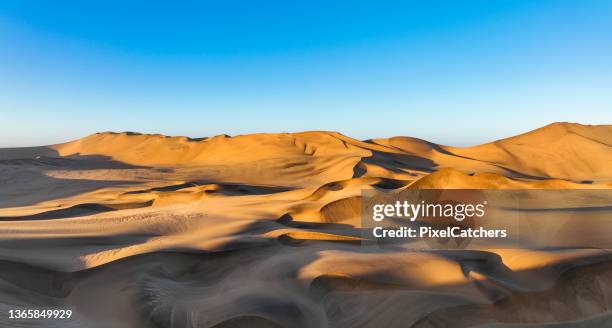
(567, 151)
(559, 150)
(264, 230)
(154, 149)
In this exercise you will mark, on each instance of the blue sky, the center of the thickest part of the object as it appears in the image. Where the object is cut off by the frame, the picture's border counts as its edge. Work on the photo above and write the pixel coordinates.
(453, 72)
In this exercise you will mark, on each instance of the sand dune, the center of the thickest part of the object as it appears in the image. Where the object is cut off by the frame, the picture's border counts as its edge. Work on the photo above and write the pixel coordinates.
(136, 230)
(560, 150)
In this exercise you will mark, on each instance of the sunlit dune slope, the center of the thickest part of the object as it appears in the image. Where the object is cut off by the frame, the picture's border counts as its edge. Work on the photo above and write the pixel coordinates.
(147, 149)
(265, 230)
(451, 178)
(559, 151)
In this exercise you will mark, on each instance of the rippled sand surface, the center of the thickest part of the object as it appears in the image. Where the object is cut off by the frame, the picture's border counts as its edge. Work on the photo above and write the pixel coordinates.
(132, 230)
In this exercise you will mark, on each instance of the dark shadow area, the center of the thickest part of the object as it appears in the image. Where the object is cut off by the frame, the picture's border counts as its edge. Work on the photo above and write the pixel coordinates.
(512, 173)
(237, 189)
(76, 162)
(163, 189)
(324, 227)
(35, 279)
(223, 188)
(517, 174)
(576, 294)
(76, 211)
(45, 156)
(390, 184)
(395, 163)
(248, 321)
(240, 282)
(28, 187)
(23, 180)
(287, 220)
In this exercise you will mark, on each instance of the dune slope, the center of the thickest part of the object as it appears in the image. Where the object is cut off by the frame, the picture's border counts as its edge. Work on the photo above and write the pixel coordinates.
(263, 230)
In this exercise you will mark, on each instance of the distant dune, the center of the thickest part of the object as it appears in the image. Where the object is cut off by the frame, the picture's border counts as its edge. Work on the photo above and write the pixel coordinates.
(560, 150)
(263, 230)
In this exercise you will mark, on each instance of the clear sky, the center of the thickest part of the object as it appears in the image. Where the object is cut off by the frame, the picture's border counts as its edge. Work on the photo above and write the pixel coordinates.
(453, 72)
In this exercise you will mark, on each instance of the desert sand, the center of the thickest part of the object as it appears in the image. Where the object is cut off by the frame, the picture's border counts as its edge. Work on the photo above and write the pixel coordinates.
(263, 230)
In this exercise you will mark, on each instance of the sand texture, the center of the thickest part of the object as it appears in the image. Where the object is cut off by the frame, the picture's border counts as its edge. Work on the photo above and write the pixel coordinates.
(263, 230)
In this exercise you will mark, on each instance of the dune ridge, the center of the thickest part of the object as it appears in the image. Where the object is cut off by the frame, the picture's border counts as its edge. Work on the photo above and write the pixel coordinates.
(567, 151)
(263, 230)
